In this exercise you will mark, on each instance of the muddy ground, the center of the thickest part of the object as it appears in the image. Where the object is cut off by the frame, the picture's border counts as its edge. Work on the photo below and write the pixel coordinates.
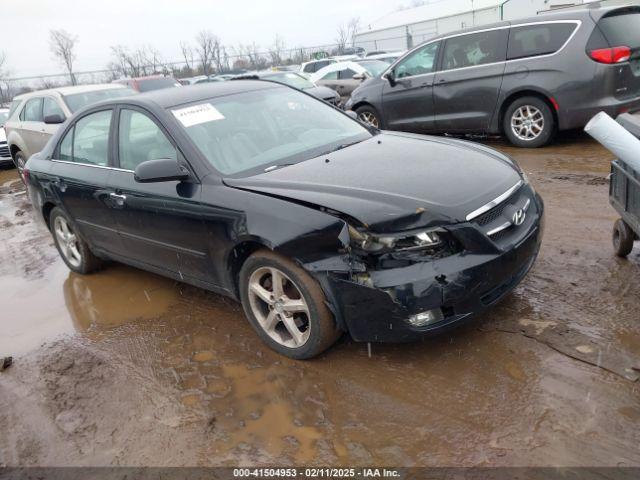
(127, 368)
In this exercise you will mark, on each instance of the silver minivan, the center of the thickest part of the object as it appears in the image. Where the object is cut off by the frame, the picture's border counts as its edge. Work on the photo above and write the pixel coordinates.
(34, 117)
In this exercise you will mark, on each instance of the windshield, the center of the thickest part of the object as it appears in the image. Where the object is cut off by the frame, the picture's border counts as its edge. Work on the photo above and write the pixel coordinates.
(79, 100)
(292, 79)
(374, 67)
(3, 117)
(244, 133)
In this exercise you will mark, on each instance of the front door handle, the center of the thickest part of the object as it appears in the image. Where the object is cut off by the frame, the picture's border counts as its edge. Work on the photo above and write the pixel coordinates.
(118, 199)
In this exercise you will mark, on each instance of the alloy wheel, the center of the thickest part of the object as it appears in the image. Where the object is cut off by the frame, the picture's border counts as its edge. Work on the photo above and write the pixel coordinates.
(67, 241)
(279, 307)
(527, 123)
(369, 118)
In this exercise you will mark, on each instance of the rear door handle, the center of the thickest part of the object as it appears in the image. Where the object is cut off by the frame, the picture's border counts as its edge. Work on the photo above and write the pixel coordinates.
(118, 199)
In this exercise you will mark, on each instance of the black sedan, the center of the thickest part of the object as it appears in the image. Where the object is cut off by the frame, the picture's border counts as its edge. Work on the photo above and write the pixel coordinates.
(316, 223)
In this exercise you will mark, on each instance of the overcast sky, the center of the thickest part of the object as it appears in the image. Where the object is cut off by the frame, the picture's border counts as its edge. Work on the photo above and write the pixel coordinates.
(164, 23)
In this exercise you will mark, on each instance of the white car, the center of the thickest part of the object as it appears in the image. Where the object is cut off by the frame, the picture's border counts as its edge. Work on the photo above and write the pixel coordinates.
(345, 77)
(309, 68)
(34, 117)
(5, 155)
(388, 57)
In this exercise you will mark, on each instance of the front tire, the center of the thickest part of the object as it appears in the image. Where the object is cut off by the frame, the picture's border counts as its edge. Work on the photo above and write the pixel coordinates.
(20, 161)
(623, 238)
(73, 249)
(529, 123)
(369, 116)
(286, 306)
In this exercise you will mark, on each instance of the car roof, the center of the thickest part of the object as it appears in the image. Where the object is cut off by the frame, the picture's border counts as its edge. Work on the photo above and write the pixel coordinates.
(172, 97)
(70, 90)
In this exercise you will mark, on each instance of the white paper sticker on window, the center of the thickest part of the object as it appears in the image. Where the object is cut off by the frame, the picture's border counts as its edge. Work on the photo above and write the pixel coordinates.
(197, 114)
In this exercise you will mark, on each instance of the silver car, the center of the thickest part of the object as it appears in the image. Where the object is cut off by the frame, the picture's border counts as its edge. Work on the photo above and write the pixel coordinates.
(34, 117)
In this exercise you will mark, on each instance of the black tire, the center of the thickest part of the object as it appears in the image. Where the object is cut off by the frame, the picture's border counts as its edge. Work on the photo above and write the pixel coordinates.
(374, 118)
(623, 238)
(88, 262)
(547, 130)
(20, 161)
(322, 329)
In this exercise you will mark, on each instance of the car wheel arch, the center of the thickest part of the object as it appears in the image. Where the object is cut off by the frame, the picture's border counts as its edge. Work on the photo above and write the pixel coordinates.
(47, 207)
(512, 97)
(238, 255)
(14, 149)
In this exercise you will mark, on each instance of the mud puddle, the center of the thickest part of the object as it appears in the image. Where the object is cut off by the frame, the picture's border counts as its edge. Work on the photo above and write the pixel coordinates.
(152, 372)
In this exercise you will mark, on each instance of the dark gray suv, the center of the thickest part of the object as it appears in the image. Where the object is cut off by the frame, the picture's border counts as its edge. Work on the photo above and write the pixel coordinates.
(525, 79)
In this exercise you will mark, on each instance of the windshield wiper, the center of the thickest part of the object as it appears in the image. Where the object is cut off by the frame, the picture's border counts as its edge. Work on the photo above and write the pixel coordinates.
(340, 147)
(277, 167)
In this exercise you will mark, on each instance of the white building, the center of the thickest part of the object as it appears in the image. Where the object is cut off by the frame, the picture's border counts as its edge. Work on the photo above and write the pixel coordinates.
(406, 28)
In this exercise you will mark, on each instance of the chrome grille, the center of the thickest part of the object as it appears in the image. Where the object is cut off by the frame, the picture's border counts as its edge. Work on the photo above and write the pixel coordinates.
(4, 150)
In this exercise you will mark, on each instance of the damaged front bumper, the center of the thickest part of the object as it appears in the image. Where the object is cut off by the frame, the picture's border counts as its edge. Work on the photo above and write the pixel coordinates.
(376, 305)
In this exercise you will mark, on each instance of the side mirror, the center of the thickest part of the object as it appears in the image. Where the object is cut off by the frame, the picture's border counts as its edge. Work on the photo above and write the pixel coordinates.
(352, 114)
(391, 78)
(54, 119)
(163, 170)
(359, 76)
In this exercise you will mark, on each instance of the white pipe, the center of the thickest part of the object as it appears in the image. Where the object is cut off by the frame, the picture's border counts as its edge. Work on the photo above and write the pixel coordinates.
(615, 138)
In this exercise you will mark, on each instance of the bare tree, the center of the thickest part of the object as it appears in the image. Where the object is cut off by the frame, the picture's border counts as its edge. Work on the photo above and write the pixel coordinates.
(277, 50)
(206, 42)
(352, 28)
(342, 38)
(62, 45)
(187, 54)
(5, 87)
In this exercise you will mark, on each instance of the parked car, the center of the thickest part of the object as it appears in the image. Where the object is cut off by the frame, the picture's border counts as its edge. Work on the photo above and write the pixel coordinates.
(296, 80)
(315, 65)
(146, 84)
(5, 155)
(316, 223)
(526, 79)
(193, 80)
(345, 77)
(36, 116)
(388, 57)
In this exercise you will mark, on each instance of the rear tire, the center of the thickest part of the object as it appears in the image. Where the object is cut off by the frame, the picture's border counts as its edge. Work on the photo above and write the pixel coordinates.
(369, 116)
(623, 238)
(292, 318)
(73, 249)
(529, 123)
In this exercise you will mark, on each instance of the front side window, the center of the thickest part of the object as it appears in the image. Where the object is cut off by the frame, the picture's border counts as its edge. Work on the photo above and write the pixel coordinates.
(330, 76)
(422, 61)
(32, 111)
(245, 133)
(140, 139)
(346, 74)
(474, 49)
(88, 141)
(532, 40)
(51, 107)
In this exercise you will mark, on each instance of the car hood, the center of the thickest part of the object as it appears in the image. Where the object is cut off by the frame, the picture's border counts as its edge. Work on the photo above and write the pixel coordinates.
(323, 93)
(394, 181)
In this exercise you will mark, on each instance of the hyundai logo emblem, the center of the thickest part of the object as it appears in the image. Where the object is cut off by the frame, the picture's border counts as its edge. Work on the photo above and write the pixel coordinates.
(518, 217)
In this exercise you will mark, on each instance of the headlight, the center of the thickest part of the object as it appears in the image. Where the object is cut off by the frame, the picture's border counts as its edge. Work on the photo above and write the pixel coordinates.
(403, 242)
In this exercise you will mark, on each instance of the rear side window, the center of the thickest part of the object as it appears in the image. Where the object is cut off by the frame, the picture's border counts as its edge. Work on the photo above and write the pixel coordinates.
(533, 40)
(622, 28)
(330, 76)
(88, 141)
(140, 139)
(474, 49)
(32, 111)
